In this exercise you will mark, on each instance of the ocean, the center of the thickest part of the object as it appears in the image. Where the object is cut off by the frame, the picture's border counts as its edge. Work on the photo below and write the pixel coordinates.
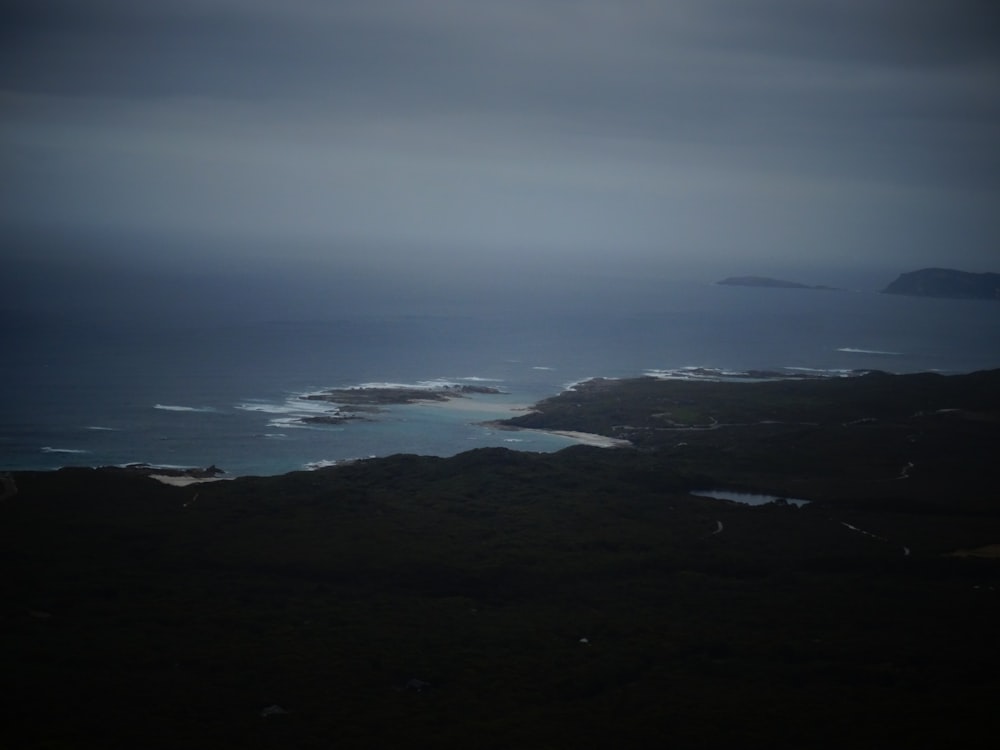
(226, 391)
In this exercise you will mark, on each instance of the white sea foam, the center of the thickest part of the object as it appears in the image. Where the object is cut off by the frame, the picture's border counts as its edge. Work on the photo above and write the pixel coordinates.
(307, 394)
(264, 407)
(383, 386)
(325, 463)
(854, 350)
(287, 422)
(540, 367)
(681, 373)
(172, 407)
(716, 374)
(307, 401)
(49, 449)
(143, 465)
(572, 385)
(694, 372)
(102, 429)
(291, 411)
(307, 406)
(420, 385)
(831, 372)
(322, 464)
(293, 405)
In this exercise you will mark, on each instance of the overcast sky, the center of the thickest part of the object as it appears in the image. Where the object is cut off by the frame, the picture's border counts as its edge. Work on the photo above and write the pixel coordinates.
(736, 133)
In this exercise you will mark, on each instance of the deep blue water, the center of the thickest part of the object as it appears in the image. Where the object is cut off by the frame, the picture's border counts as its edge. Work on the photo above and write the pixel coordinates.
(222, 391)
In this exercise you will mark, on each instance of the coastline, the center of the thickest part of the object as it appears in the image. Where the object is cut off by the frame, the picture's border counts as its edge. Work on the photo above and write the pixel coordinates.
(583, 438)
(467, 419)
(185, 481)
(590, 438)
(520, 553)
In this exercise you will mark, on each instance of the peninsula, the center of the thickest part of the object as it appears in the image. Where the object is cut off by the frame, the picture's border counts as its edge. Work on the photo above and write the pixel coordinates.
(948, 283)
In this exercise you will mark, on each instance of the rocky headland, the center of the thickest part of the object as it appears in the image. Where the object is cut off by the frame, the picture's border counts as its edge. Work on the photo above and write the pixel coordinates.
(948, 283)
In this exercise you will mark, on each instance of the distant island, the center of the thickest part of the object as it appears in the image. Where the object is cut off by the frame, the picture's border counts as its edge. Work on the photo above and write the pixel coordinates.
(764, 281)
(946, 282)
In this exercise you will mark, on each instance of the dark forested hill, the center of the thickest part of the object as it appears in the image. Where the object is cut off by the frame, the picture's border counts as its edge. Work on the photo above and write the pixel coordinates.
(501, 599)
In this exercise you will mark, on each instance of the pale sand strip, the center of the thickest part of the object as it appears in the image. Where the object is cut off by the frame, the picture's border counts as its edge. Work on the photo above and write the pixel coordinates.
(590, 438)
(185, 481)
(584, 438)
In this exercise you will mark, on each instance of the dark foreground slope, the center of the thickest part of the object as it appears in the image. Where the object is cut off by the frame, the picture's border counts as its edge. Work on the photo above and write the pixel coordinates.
(500, 599)
(844, 440)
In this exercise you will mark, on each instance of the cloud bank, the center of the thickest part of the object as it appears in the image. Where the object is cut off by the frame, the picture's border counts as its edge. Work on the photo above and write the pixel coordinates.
(740, 134)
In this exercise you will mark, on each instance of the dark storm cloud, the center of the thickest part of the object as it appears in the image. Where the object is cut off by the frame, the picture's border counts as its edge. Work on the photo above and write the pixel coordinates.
(777, 127)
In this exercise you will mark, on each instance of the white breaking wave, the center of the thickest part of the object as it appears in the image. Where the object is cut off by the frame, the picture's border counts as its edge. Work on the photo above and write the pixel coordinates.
(322, 464)
(48, 449)
(292, 422)
(693, 372)
(171, 407)
(575, 383)
(328, 462)
(293, 405)
(421, 385)
(318, 401)
(265, 408)
(833, 372)
(144, 465)
(103, 429)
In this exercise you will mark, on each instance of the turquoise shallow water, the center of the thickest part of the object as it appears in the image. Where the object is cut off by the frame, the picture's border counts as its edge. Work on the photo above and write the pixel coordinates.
(223, 392)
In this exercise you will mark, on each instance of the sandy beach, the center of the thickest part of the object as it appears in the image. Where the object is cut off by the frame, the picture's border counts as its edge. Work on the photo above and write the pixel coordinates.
(182, 481)
(590, 438)
(584, 438)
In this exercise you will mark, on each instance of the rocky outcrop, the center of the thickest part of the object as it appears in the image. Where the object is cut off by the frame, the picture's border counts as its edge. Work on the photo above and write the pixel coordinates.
(382, 395)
